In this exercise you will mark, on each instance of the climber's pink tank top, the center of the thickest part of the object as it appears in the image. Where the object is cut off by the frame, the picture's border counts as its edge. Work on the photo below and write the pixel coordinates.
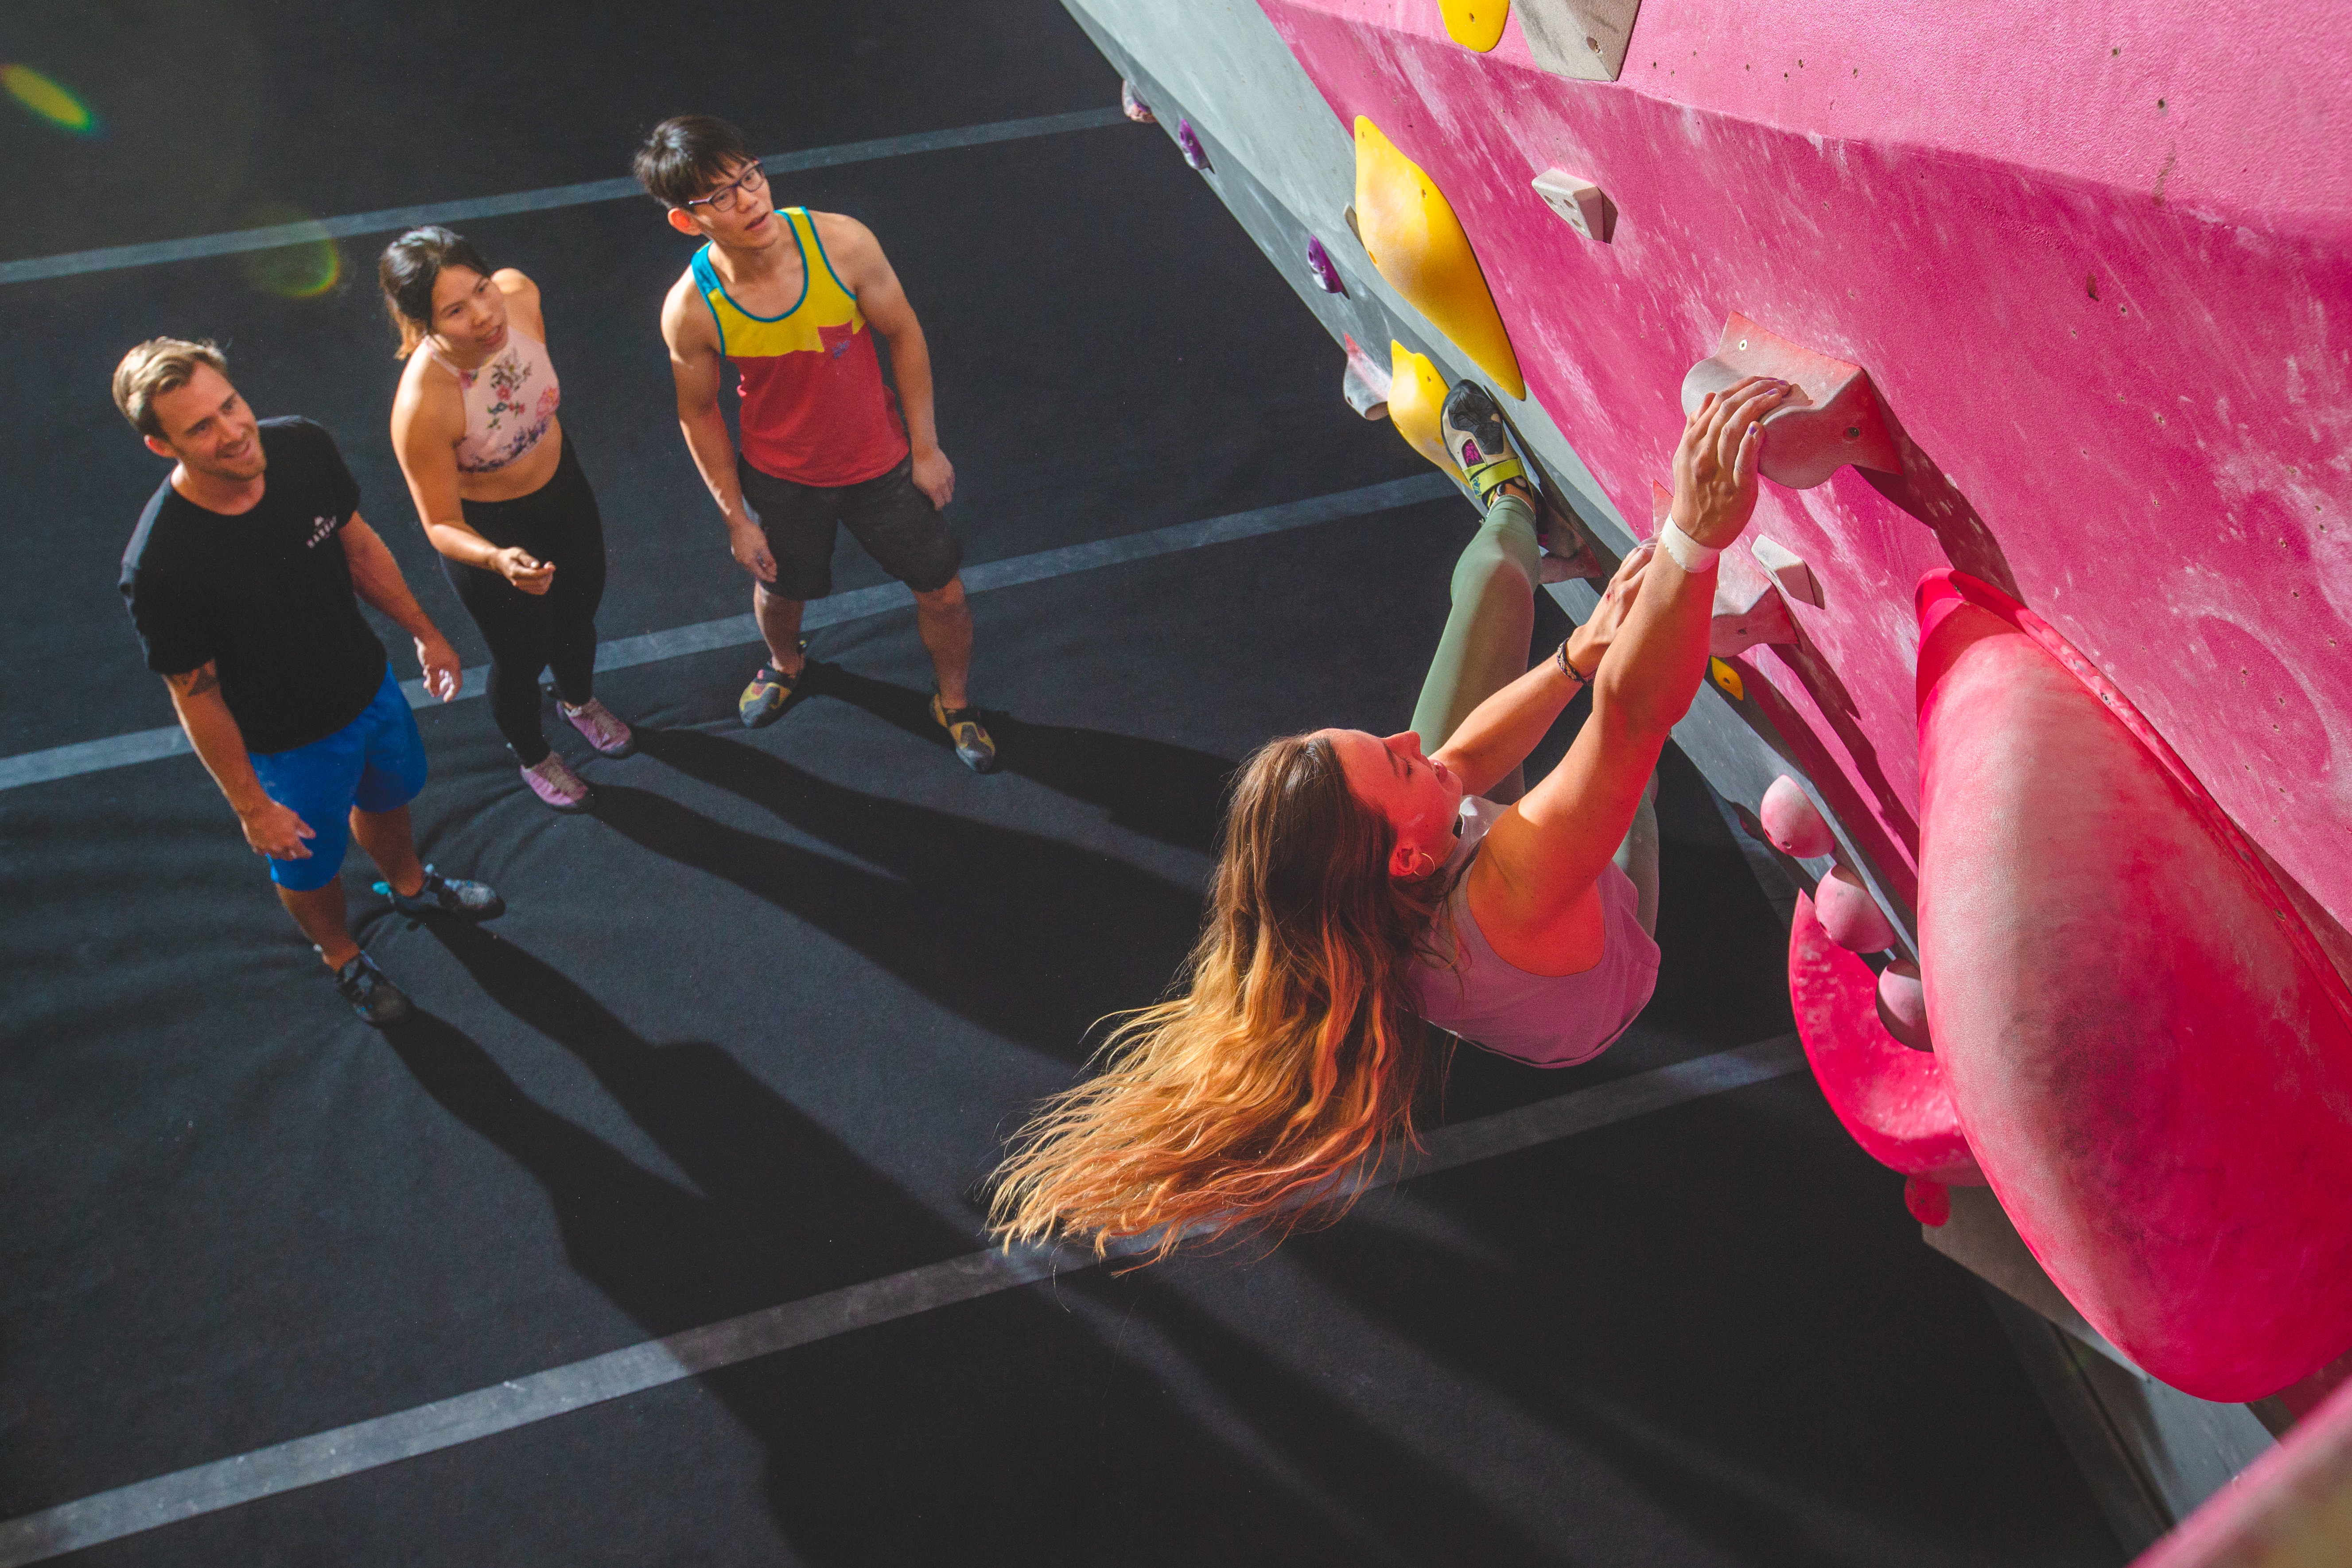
(1545, 1020)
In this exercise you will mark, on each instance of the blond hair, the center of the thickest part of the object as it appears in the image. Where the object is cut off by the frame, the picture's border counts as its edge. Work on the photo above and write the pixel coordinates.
(1292, 1059)
(155, 367)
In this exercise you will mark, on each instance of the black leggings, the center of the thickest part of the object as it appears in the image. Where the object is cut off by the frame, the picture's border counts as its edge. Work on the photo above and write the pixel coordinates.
(528, 633)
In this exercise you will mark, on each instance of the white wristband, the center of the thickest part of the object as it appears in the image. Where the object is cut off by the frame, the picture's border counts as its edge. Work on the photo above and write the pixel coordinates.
(1688, 552)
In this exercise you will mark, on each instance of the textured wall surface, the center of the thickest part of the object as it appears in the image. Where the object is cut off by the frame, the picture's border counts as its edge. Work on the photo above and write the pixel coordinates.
(2095, 263)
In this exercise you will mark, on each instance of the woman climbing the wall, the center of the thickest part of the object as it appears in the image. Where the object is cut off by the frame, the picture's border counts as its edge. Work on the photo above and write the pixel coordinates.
(500, 492)
(1364, 884)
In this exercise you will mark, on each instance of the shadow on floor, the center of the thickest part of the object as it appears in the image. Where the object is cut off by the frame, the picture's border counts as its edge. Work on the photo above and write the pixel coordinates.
(1170, 793)
(1030, 938)
(897, 1443)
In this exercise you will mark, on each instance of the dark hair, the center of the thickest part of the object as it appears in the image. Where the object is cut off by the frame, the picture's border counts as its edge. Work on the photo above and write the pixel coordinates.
(685, 155)
(411, 265)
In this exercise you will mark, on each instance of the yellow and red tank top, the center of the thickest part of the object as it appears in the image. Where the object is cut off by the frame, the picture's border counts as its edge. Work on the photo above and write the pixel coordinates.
(815, 410)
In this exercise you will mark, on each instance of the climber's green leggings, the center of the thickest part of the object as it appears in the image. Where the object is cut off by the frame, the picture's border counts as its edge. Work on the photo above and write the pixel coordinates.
(1485, 649)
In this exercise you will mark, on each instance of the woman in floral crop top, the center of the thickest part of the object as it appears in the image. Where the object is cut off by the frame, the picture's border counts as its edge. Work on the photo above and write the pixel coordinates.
(500, 492)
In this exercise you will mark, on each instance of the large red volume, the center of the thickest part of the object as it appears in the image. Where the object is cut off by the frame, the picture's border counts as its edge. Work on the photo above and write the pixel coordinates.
(1892, 1098)
(2150, 1056)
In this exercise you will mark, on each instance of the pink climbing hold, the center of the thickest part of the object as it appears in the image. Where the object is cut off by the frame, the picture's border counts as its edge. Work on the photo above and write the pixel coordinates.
(2151, 1054)
(1830, 418)
(1902, 1003)
(1930, 1202)
(1892, 1098)
(1793, 822)
(1132, 104)
(1366, 381)
(1319, 264)
(1851, 915)
(1188, 141)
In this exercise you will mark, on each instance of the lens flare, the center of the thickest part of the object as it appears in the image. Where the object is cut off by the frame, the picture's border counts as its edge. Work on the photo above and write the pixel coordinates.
(308, 265)
(45, 98)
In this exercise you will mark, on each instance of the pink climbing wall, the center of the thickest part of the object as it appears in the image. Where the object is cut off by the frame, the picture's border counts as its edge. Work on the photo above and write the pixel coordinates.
(2098, 261)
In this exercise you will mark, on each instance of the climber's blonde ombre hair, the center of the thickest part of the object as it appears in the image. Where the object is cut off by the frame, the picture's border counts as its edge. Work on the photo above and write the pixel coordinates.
(1245, 1104)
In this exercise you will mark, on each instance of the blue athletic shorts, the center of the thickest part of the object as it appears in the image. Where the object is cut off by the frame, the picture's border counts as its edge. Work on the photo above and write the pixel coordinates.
(374, 763)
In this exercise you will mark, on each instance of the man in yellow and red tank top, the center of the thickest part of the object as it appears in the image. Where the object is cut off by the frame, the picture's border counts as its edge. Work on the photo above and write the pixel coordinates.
(794, 299)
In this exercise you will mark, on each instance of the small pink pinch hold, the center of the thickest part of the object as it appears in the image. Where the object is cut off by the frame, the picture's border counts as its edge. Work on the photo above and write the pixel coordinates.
(1849, 914)
(1902, 1003)
(1793, 822)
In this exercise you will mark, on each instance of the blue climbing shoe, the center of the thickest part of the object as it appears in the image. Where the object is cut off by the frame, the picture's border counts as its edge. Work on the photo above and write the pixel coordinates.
(442, 895)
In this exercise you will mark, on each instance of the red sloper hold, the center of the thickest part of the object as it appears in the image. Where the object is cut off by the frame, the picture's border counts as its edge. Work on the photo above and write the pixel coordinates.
(1930, 1201)
(2150, 1055)
(1892, 1098)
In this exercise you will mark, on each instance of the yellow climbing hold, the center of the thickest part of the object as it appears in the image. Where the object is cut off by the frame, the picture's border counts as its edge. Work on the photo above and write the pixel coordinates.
(1411, 232)
(1729, 679)
(1475, 24)
(1416, 395)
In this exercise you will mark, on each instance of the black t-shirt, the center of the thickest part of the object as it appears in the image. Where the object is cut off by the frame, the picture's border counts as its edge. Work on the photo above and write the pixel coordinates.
(266, 594)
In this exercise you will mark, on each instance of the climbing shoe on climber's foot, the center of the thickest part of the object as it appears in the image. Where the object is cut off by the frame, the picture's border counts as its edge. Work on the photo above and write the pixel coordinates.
(973, 745)
(1472, 426)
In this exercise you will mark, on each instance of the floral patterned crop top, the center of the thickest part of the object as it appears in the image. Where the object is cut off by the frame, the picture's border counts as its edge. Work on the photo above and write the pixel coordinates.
(510, 400)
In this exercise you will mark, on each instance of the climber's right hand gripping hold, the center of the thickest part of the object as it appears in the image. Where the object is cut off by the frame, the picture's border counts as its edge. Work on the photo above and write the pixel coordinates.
(1715, 463)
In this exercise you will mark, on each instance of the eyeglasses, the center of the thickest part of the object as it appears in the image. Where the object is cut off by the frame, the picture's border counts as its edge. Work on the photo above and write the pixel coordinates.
(731, 195)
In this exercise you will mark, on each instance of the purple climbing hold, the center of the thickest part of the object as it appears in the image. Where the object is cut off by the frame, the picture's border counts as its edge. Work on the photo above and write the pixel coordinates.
(1194, 153)
(1319, 262)
(1133, 106)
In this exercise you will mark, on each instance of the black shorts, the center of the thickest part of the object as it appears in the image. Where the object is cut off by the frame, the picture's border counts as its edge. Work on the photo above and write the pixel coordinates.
(888, 514)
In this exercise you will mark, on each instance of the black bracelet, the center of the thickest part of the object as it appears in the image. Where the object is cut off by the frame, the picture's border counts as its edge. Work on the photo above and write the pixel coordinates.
(1570, 670)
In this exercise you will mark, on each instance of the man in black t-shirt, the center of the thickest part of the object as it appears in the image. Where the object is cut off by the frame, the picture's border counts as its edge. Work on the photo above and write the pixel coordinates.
(244, 581)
